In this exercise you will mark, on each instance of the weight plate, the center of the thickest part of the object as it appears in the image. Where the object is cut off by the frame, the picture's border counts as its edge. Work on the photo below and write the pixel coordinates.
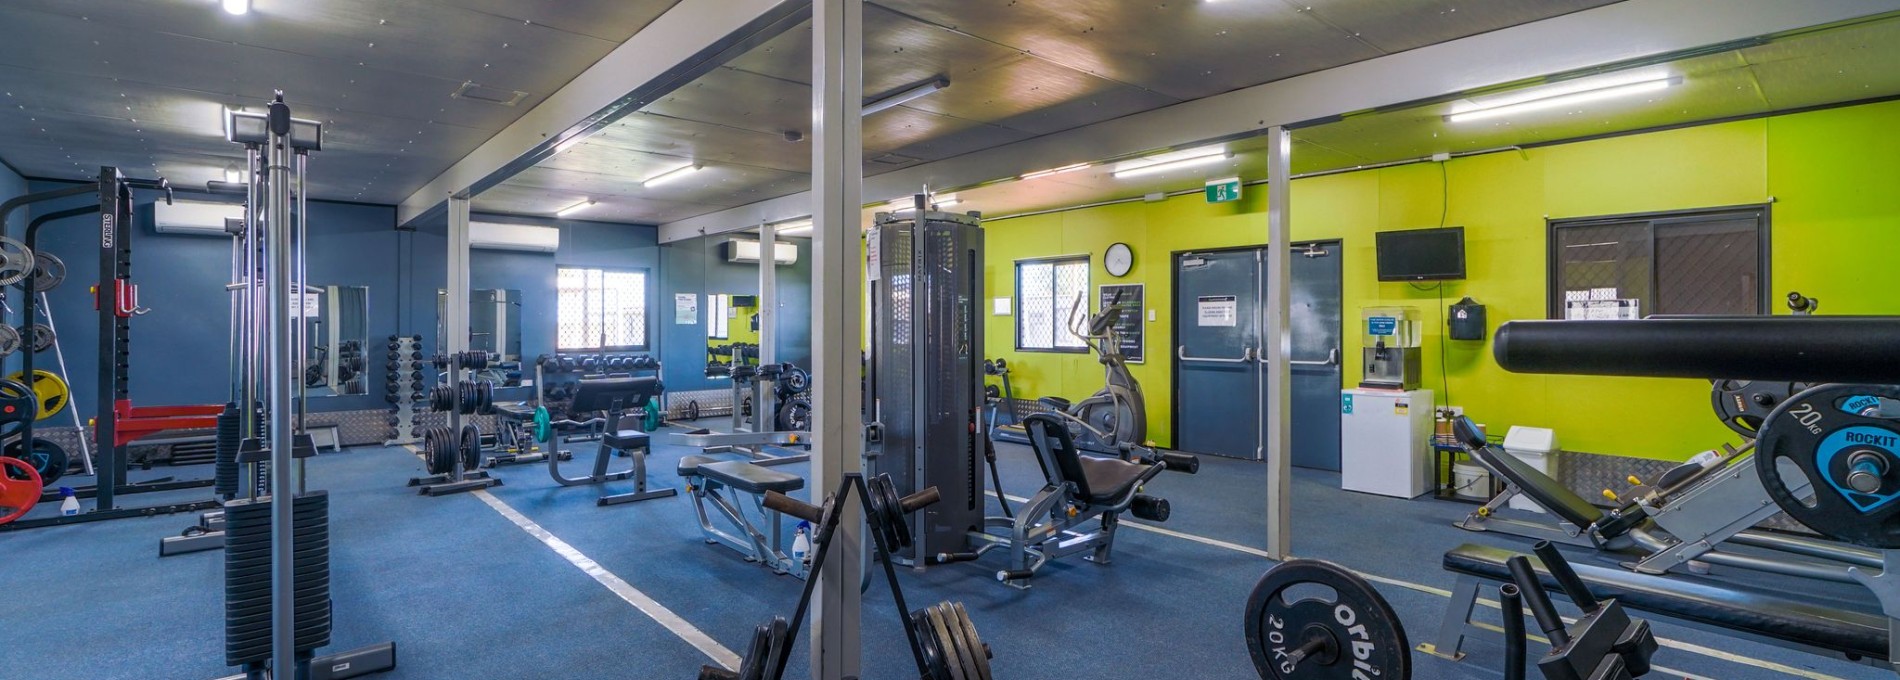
(966, 650)
(543, 425)
(48, 272)
(471, 446)
(50, 390)
(40, 337)
(794, 416)
(20, 487)
(17, 401)
(1848, 460)
(888, 511)
(1743, 404)
(952, 652)
(16, 261)
(47, 458)
(9, 340)
(1356, 632)
(978, 651)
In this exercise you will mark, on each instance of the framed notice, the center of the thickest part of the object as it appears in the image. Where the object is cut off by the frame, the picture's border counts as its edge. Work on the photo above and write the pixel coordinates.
(1129, 296)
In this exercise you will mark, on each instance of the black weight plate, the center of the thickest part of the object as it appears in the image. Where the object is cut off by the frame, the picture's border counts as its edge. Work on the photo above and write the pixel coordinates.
(47, 458)
(979, 653)
(887, 512)
(1299, 599)
(966, 649)
(471, 446)
(1822, 431)
(929, 646)
(952, 652)
(1742, 405)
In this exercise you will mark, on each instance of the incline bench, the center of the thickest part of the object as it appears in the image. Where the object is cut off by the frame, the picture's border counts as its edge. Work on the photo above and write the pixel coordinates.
(1860, 634)
(708, 477)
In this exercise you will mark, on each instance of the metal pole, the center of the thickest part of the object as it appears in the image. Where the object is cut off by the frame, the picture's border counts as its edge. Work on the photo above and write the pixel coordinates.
(764, 409)
(1278, 344)
(283, 586)
(302, 351)
(85, 450)
(455, 326)
(837, 281)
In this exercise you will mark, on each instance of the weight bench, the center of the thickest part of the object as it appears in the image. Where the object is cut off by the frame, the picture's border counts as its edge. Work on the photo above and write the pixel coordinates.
(612, 396)
(1859, 634)
(721, 483)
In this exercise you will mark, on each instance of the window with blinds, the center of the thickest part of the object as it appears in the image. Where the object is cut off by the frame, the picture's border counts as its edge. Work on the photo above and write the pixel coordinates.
(1634, 266)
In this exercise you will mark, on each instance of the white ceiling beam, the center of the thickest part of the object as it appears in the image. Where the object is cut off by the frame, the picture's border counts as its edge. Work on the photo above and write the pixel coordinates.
(694, 37)
(1618, 33)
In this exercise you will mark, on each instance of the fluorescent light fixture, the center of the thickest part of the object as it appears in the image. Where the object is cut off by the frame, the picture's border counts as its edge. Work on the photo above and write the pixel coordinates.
(907, 95)
(1560, 97)
(237, 7)
(1175, 164)
(673, 174)
(196, 218)
(907, 204)
(1056, 171)
(232, 175)
(494, 236)
(577, 207)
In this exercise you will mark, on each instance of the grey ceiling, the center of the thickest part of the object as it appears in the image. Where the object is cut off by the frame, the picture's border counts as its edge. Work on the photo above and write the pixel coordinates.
(1018, 69)
(1831, 66)
(138, 84)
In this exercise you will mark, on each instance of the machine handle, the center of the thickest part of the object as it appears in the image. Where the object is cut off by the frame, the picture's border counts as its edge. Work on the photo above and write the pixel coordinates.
(1180, 352)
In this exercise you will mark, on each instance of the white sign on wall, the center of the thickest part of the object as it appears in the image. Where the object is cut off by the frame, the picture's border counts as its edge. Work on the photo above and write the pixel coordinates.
(306, 306)
(685, 308)
(1217, 310)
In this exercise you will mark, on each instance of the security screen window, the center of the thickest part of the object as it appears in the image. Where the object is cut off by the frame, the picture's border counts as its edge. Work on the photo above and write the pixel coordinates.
(601, 309)
(1634, 266)
(1046, 291)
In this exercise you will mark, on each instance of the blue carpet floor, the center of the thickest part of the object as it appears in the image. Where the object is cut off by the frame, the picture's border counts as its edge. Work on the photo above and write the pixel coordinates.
(464, 592)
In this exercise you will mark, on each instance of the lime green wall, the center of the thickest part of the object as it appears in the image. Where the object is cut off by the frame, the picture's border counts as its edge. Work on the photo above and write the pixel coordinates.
(1830, 173)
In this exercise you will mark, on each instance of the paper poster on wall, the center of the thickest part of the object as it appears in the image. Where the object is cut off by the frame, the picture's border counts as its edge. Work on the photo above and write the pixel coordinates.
(999, 306)
(1217, 310)
(308, 305)
(1129, 296)
(1598, 310)
(686, 308)
(874, 254)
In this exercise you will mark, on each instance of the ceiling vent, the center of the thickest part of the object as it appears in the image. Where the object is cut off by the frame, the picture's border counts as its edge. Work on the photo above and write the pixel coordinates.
(895, 159)
(492, 95)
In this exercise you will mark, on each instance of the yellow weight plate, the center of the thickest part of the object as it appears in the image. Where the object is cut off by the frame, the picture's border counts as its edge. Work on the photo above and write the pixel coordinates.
(52, 391)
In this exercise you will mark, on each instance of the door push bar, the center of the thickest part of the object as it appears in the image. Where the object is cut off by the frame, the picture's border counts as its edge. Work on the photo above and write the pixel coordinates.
(1246, 355)
(1332, 359)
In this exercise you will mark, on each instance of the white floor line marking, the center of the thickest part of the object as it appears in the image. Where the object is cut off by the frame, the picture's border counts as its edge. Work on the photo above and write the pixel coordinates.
(1441, 592)
(647, 605)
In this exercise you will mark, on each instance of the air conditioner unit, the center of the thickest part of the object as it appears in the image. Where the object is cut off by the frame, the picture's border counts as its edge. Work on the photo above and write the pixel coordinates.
(513, 237)
(744, 250)
(198, 218)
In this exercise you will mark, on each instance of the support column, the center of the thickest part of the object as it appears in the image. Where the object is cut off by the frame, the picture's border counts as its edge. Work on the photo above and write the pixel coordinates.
(1277, 346)
(837, 285)
(455, 305)
(767, 407)
(280, 340)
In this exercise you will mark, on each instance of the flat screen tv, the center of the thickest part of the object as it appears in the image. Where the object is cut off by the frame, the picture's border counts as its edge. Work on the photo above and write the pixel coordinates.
(1421, 254)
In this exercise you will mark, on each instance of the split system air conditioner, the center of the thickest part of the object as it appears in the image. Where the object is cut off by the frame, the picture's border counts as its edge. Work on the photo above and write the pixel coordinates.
(513, 237)
(747, 250)
(198, 218)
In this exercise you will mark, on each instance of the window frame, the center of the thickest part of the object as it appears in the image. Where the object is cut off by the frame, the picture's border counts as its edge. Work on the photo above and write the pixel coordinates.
(1764, 303)
(646, 304)
(718, 317)
(1088, 268)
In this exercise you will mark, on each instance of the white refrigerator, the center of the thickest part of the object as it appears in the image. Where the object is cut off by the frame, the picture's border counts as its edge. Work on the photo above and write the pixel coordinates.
(1385, 442)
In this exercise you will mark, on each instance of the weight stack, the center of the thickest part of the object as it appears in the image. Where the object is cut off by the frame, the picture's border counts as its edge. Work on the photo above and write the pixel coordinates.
(247, 577)
(226, 466)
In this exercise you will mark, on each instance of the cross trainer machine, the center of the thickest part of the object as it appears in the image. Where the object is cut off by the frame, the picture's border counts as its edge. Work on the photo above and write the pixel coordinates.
(1114, 420)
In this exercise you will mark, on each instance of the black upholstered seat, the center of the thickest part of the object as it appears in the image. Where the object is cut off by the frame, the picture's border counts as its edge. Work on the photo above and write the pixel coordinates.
(1109, 478)
(625, 439)
(1096, 480)
(744, 476)
(689, 464)
(1740, 607)
(1057, 403)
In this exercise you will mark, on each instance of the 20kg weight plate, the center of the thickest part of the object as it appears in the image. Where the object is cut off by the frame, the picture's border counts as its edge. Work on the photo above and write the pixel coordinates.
(49, 390)
(1849, 457)
(1313, 620)
(47, 458)
(1742, 405)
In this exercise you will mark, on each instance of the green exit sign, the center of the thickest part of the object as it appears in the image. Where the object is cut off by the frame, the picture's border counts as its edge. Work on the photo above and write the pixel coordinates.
(1223, 190)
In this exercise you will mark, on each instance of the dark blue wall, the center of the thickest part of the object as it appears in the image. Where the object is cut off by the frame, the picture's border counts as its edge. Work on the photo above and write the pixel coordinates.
(180, 350)
(696, 266)
(12, 186)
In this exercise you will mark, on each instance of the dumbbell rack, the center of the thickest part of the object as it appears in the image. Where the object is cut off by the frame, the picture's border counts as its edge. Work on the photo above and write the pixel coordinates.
(461, 471)
(405, 366)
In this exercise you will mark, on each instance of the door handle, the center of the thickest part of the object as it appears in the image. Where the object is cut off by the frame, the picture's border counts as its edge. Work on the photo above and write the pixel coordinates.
(1332, 359)
(1180, 352)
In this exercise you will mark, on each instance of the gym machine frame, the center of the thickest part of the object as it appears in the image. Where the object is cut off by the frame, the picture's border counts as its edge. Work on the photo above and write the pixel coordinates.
(116, 299)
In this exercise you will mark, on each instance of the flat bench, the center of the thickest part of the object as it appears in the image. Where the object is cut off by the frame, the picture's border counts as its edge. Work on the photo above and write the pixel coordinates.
(1857, 634)
(722, 484)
